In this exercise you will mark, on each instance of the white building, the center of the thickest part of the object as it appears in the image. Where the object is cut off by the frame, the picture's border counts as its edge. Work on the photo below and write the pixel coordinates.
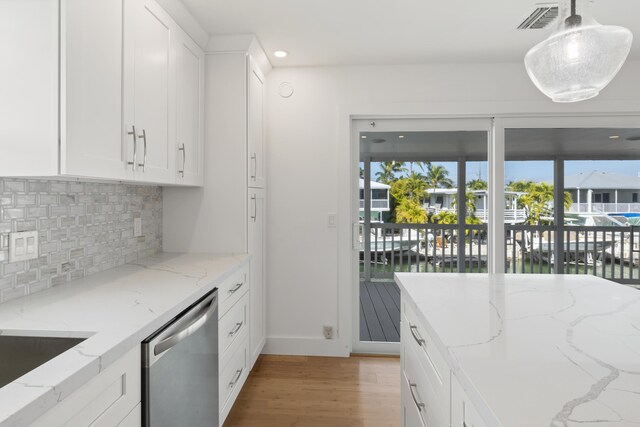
(445, 199)
(379, 200)
(606, 192)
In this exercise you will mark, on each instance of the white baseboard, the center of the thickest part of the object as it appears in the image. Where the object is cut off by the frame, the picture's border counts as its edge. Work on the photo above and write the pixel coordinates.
(306, 347)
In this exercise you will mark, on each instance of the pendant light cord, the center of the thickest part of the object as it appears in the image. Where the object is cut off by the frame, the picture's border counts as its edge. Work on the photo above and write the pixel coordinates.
(574, 20)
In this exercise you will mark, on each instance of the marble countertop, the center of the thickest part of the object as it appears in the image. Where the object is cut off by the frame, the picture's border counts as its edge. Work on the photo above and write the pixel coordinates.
(115, 309)
(536, 350)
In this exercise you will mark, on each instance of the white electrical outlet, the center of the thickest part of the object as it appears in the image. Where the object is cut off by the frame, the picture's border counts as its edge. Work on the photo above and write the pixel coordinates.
(327, 330)
(23, 246)
(137, 227)
(331, 220)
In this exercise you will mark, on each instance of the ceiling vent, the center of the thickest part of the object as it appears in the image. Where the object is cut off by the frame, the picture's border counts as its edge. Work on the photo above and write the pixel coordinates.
(541, 17)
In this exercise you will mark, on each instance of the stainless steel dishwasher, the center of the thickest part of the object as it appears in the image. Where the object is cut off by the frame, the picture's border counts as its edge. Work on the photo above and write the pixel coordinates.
(180, 369)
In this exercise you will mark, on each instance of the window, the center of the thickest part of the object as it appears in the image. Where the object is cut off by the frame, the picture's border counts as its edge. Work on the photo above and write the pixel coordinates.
(378, 194)
(634, 198)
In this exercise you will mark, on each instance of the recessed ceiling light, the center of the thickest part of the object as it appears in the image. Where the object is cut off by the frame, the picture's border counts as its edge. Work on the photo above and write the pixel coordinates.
(401, 136)
(364, 137)
(614, 137)
(280, 53)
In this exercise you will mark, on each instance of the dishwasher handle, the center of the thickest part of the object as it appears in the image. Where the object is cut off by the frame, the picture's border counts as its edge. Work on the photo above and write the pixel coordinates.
(201, 315)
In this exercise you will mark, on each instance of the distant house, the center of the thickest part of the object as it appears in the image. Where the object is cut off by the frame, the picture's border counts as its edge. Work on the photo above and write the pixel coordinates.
(379, 200)
(606, 192)
(444, 199)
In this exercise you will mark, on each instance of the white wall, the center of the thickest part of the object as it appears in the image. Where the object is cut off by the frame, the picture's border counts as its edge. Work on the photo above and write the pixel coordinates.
(303, 168)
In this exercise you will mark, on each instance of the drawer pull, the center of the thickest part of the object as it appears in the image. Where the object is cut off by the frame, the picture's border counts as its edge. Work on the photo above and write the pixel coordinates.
(235, 288)
(236, 377)
(236, 329)
(420, 406)
(414, 332)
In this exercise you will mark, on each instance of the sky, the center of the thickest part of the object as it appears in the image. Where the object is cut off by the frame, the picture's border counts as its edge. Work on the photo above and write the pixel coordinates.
(535, 170)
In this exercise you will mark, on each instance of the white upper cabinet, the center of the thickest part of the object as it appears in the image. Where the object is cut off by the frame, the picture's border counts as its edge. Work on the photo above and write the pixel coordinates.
(255, 136)
(29, 88)
(149, 91)
(190, 111)
(91, 90)
(79, 76)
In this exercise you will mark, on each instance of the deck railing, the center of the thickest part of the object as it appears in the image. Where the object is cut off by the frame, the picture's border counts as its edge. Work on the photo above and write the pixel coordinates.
(609, 252)
(604, 207)
(423, 248)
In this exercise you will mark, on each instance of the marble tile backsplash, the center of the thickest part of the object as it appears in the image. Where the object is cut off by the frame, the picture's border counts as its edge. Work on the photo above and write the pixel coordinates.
(83, 228)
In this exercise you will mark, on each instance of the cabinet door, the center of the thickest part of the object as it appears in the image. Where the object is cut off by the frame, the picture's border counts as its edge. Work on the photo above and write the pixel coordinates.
(149, 67)
(29, 87)
(409, 411)
(91, 89)
(256, 151)
(463, 413)
(190, 111)
(256, 245)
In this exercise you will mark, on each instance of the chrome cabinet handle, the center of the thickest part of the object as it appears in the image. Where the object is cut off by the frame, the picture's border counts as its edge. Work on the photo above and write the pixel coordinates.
(236, 329)
(254, 159)
(235, 288)
(420, 405)
(255, 208)
(135, 148)
(236, 377)
(184, 159)
(144, 139)
(414, 332)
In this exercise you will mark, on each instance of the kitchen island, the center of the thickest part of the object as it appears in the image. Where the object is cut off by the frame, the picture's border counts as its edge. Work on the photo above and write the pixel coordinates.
(519, 350)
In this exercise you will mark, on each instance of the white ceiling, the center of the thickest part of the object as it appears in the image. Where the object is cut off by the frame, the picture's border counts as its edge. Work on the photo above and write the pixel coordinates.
(339, 32)
(520, 144)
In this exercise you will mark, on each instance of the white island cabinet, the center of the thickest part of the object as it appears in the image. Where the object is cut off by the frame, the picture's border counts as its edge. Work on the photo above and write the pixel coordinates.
(518, 350)
(90, 90)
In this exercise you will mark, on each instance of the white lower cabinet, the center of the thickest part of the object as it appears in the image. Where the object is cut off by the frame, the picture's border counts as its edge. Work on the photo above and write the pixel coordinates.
(431, 395)
(134, 417)
(109, 399)
(463, 413)
(234, 362)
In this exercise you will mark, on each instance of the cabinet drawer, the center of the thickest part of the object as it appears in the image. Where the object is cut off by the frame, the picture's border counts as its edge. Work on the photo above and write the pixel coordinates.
(231, 290)
(410, 412)
(104, 401)
(134, 419)
(435, 366)
(422, 393)
(233, 324)
(232, 377)
(463, 412)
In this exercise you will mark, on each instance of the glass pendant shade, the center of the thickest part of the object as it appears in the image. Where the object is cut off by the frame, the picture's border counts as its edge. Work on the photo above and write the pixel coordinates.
(580, 58)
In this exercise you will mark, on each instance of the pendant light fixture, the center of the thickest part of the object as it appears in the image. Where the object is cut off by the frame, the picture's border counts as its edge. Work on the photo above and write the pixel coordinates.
(580, 58)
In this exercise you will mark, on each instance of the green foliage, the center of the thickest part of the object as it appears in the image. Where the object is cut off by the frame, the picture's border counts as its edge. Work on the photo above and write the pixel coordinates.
(408, 195)
(445, 217)
(409, 188)
(387, 174)
(477, 184)
(537, 199)
(408, 211)
(438, 177)
(470, 202)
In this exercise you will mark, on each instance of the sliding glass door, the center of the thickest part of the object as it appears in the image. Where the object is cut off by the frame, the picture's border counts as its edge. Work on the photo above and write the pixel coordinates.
(422, 205)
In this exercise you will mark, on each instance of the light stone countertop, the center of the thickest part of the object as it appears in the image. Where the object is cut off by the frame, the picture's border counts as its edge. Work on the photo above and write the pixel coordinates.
(536, 350)
(115, 309)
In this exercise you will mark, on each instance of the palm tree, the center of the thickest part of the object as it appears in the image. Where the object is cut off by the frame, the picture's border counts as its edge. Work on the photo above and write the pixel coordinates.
(438, 176)
(477, 184)
(388, 171)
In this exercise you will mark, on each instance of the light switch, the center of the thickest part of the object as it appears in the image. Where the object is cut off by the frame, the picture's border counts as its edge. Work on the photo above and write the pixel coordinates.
(23, 246)
(331, 220)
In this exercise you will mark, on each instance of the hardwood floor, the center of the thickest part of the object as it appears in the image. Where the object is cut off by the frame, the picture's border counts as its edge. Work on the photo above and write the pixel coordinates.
(286, 391)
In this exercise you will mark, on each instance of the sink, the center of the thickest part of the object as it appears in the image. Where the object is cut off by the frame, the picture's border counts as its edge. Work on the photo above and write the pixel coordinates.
(21, 354)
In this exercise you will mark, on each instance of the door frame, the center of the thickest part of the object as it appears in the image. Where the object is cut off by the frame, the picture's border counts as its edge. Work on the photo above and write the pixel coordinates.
(348, 155)
(392, 125)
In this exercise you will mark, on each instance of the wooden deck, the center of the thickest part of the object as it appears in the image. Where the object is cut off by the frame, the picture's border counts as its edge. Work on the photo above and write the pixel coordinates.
(379, 311)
